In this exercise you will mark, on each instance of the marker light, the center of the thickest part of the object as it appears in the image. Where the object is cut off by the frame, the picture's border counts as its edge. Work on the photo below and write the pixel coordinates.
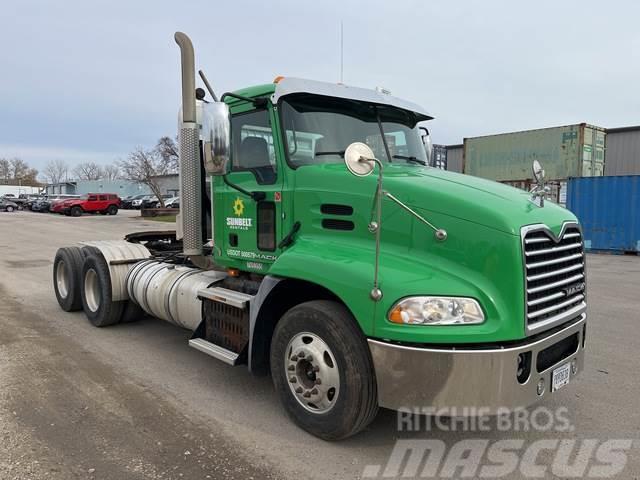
(437, 311)
(278, 78)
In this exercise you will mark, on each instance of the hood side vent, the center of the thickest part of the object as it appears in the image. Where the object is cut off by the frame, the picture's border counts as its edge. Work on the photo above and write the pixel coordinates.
(336, 209)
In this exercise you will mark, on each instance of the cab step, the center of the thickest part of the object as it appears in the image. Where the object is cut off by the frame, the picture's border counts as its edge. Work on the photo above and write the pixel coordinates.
(224, 295)
(216, 351)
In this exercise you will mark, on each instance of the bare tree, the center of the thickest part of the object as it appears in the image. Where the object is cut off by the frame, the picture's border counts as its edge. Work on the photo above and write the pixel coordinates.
(55, 171)
(111, 172)
(19, 168)
(144, 166)
(88, 171)
(17, 172)
(167, 148)
(5, 170)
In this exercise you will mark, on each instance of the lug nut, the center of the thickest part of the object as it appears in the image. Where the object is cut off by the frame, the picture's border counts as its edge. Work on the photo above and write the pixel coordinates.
(291, 368)
(318, 381)
(293, 380)
(314, 391)
(309, 358)
(301, 355)
(299, 390)
(316, 368)
(294, 358)
(306, 394)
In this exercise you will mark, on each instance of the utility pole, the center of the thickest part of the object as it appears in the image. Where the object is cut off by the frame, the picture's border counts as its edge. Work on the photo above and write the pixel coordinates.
(341, 52)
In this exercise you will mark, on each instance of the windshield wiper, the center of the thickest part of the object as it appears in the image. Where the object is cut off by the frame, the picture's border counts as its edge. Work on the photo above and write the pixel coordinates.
(410, 159)
(341, 153)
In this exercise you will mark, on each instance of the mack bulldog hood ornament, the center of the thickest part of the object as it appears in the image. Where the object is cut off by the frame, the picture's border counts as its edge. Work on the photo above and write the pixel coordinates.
(540, 190)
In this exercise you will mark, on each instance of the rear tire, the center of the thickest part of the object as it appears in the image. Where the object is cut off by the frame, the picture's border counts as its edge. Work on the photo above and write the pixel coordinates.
(9, 208)
(317, 347)
(112, 210)
(76, 211)
(67, 270)
(97, 302)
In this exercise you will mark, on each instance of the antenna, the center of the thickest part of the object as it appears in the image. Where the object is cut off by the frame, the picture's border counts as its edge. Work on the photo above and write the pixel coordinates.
(341, 52)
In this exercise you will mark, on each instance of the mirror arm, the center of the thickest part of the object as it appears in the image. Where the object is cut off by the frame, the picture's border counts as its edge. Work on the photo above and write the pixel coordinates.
(208, 85)
(255, 196)
(257, 102)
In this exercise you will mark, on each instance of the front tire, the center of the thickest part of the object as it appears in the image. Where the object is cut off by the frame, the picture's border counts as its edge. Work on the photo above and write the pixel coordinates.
(76, 211)
(112, 210)
(9, 208)
(322, 370)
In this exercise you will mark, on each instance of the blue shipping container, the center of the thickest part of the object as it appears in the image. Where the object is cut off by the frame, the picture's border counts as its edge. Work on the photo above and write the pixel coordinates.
(609, 210)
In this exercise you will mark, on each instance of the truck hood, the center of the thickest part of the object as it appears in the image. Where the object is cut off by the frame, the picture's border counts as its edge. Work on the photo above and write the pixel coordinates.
(488, 203)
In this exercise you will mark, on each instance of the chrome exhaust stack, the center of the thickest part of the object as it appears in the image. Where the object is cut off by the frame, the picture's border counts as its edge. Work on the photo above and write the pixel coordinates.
(190, 175)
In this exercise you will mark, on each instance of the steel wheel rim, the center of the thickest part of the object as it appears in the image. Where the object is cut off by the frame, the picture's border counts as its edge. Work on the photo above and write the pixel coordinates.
(62, 279)
(312, 372)
(91, 290)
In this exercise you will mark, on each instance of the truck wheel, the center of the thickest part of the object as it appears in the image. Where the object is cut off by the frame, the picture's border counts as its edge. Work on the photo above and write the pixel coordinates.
(76, 211)
(322, 370)
(112, 210)
(96, 292)
(9, 208)
(67, 269)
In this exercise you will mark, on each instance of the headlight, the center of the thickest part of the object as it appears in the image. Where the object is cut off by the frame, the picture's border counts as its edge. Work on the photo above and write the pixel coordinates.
(437, 311)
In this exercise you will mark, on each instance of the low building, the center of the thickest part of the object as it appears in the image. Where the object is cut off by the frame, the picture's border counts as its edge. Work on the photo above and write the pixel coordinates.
(122, 188)
(169, 184)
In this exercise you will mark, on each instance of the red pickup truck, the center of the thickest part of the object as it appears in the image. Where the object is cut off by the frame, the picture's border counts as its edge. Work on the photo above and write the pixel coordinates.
(104, 203)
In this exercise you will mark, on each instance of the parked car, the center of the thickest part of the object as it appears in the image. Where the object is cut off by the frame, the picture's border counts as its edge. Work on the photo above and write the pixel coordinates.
(31, 199)
(7, 205)
(103, 203)
(41, 205)
(54, 200)
(127, 203)
(173, 202)
(137, 202)
(166, 198)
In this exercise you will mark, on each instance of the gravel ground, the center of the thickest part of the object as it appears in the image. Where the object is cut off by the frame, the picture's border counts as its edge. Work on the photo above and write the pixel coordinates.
(134, 401)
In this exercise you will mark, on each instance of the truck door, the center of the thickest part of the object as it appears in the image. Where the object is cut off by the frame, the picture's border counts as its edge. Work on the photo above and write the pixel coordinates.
(251, 229)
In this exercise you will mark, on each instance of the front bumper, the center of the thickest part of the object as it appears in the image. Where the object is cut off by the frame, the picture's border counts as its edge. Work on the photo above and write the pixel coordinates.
(473, 380)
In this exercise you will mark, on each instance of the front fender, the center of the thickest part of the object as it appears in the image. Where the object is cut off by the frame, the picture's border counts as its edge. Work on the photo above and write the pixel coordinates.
(345, 269)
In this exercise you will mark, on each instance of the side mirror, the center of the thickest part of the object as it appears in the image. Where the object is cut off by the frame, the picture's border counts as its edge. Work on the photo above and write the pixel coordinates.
(428, 145)
(216, 138)
(359, 159)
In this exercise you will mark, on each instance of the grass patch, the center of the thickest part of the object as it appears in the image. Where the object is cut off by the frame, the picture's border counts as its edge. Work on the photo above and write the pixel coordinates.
(163, 218)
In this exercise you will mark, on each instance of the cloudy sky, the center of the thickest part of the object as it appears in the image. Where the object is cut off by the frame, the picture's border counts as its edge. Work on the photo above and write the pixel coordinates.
(90, 80)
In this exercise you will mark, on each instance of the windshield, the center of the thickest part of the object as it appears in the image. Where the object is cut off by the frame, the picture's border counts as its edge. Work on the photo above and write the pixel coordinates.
(319, 129)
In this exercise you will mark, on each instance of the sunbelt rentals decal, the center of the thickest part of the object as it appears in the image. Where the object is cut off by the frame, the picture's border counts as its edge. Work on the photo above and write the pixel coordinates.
(239, 222)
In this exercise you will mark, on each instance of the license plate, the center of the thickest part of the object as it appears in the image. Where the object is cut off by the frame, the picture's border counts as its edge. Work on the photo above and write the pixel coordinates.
(560, 377)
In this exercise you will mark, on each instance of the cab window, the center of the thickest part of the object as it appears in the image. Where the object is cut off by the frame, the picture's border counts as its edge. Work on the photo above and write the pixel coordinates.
(92, 198)
(252, 146)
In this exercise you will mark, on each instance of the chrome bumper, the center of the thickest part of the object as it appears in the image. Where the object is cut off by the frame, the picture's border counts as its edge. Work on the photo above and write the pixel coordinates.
(467, 379)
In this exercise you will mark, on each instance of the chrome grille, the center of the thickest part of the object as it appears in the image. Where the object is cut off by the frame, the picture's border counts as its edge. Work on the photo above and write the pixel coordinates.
(554, 276)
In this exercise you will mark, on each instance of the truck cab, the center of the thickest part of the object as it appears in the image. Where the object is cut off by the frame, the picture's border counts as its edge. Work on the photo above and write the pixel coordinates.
(509, 272)
(344, 265)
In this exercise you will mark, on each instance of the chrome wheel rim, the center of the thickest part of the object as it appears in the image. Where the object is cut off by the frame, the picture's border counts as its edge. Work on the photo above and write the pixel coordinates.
(62, 279)
(92, 290)
(312, 372)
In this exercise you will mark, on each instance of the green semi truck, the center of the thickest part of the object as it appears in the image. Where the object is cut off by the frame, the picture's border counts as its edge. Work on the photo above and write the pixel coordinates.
(328, 253)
